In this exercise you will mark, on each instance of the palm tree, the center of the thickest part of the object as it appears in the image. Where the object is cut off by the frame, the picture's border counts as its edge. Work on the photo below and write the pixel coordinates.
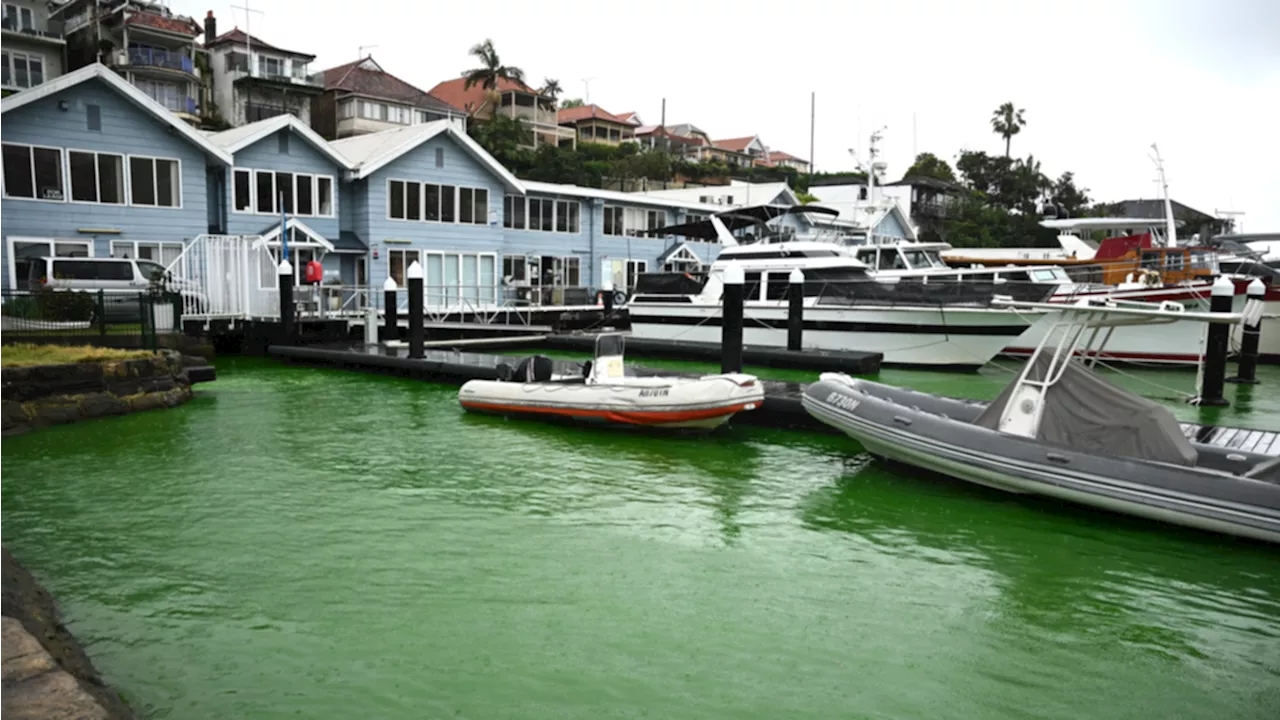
(492, 70)
(549, 93)
(1007, 122)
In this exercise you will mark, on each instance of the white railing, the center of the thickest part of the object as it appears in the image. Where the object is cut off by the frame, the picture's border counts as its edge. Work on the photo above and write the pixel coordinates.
(214, 276)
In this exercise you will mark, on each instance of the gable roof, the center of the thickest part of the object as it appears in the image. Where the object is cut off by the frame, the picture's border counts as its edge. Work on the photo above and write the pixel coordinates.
(587, 112)
(369, 153)
(686, 129)
(113, 80)
(472, 98)
(777, 155)
(237, 36)
(1155, 209)
(237, 139)
(631, 118)
(366, 77)
(737, 144)
(271, 235)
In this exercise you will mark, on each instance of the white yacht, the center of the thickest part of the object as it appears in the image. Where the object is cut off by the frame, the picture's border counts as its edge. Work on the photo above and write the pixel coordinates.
(848, 306)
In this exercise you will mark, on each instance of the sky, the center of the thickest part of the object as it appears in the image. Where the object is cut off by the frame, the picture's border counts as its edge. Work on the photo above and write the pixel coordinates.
(1100, 81)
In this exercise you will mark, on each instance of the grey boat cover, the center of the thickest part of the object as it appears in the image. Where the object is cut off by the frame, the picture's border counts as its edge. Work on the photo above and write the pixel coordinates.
(1086, 413)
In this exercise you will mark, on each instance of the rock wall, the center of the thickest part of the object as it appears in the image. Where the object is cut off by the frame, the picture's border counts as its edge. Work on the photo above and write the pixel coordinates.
(45, 395)
(46, 673)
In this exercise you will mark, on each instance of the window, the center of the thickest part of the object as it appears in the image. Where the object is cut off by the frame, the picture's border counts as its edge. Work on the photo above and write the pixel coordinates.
(93, 270)
(398, 261)
(242, 190)
(347, 110)
(419, 117)
(431, 201)
(466, 205)
(654, 219)
(398, 114)
(284, 191)
(891, 260)
(513, 207)
(33, 172)
(266, 186)
(634, 268)
(566, 216)
(324, 193)
(515, 268)
(448, 209)
(535, 214)
(25, 253)
(22, 69)
(154, 181)
(546, 214)
(167, 94)
(479, 206)
(454, 277)
(776, 285)
(150, 255)
(304, 194)
(18, 18)
(395, 199)
(413, 201)
(270, 65)
(96, 177)
(613, 220)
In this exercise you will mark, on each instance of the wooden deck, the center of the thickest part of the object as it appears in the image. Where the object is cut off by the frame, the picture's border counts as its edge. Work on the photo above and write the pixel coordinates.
(1266, 442)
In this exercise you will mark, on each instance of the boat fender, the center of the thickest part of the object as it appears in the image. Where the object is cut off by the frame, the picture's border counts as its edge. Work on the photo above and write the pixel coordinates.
(619, 298)
(586, 369)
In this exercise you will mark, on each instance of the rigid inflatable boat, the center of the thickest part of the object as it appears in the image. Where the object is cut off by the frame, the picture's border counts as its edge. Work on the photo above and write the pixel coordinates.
(1062, 431)
(604, 394)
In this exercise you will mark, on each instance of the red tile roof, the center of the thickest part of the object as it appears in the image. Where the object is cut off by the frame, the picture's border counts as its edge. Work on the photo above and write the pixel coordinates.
(179, 24)
(454, 92)
(354, 78)
(570, 116)
(240, 37)
(734, 144)
(776, 155)
(629, 117)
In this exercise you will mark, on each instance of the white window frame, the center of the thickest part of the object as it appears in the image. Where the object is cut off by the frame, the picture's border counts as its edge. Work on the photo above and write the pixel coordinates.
(50, 241)
(619, 224)
(132, 245)
(316, 202)
(253, 191)
(155, 177)
(494, 292)
(481, 221)
(571, 229)
(421, 256)
(28, 55)
(510, 216)
(62, 167)
(97, 178)
(333, 196)
(297, 182)
(421, 201)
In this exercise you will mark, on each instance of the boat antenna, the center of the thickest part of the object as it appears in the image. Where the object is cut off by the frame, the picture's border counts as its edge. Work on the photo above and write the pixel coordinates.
(1171, 229)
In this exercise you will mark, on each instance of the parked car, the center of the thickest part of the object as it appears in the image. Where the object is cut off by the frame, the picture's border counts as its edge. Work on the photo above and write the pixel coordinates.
(121, 280)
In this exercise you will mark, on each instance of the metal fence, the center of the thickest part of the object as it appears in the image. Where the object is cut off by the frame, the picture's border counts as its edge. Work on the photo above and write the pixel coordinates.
(106, 319)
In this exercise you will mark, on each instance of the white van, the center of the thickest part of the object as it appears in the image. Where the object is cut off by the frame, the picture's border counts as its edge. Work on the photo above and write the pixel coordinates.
(124, 278)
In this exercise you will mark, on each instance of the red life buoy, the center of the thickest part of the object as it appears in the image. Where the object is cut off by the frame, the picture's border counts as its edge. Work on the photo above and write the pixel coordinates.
(315, 272)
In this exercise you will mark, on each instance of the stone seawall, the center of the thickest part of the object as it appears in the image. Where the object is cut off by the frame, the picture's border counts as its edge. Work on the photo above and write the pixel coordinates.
(43, 395)
(46, 673)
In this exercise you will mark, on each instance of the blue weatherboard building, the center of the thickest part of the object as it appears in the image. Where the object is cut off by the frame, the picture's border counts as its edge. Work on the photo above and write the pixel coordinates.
(93, 167)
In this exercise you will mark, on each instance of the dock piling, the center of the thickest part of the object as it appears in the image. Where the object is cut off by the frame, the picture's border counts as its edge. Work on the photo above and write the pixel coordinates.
(417, 334)
(284, 280)
(1215, 351)
(371, 325)
(731, 330)
(1250, 337)
(390, 315)
(795, 311)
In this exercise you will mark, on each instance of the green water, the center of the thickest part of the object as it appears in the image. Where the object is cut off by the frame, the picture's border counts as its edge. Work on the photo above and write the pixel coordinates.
(320, 544)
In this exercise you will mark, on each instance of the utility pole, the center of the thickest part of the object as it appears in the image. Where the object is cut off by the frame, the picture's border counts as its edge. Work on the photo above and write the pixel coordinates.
(586, 82)
(813, 116)
(248, 37)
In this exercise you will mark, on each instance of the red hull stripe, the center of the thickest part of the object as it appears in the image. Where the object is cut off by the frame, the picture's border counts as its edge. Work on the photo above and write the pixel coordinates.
(628, 417)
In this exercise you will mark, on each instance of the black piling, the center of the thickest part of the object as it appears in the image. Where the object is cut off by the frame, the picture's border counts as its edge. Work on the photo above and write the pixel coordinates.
(795, 310)
(731, 331)
(1215, 352)
(606, 298)
(390, 315)
(417, 332)
(284, 278)
(1250, 337)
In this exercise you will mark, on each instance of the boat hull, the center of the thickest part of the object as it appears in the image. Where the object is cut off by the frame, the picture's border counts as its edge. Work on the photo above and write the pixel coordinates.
(659, 403)
(952, 338)
(940, 436)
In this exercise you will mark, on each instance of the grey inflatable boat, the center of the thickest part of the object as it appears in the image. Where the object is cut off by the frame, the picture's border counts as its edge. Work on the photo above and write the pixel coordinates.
(1061, 431)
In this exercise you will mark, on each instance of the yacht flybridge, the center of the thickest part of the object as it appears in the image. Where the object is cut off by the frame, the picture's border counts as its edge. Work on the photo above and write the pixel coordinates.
(848, 306)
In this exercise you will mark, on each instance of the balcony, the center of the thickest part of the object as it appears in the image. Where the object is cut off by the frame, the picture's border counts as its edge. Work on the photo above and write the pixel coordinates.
(152, 58)
(254, 112)
(53, 35)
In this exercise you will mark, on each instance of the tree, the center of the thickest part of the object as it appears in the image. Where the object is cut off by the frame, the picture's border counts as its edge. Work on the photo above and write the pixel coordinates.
(930, 165)
(572, 103)
(1066, 198)
(1007, 122)
(491, 70)
(502, 137)
(549, 93)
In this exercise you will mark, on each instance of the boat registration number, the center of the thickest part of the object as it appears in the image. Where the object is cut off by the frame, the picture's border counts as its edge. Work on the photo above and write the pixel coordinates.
(655, 392)
(843, 401)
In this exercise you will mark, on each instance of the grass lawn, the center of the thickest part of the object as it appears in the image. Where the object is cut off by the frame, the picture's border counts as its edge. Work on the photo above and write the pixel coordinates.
(26, 354)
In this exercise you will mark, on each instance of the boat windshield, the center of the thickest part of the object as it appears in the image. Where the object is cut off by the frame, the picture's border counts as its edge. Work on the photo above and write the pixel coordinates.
(609, 345)
(923, 259)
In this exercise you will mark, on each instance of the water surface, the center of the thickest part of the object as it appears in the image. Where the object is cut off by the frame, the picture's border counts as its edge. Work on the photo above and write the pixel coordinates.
(309, 543)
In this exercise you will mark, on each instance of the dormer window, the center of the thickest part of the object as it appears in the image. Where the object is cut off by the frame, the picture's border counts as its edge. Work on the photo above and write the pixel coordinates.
(270, 65)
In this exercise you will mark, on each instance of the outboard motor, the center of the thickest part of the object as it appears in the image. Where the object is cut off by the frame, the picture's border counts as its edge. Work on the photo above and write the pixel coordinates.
(535, 368)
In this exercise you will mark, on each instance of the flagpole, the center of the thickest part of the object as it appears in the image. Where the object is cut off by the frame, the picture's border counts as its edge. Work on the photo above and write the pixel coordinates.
(284, 231)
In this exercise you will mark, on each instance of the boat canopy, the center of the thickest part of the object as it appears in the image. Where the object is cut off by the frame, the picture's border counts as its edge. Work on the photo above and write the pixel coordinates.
(1084, 412)
(739, 218)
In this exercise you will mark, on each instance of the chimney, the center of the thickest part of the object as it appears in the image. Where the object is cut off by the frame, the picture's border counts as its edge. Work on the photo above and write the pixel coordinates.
(210, 29)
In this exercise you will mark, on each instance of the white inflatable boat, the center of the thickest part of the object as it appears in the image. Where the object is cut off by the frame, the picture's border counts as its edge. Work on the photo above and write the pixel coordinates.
(604, 394)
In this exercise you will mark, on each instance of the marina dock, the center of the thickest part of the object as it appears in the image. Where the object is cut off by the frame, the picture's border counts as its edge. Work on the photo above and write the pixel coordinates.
(782, 407)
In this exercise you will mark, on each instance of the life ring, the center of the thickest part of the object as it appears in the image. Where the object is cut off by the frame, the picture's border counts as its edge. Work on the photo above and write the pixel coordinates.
(619, 298)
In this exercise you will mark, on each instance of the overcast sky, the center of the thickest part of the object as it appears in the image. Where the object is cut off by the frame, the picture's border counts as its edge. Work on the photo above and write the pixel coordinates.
(1099, 80)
